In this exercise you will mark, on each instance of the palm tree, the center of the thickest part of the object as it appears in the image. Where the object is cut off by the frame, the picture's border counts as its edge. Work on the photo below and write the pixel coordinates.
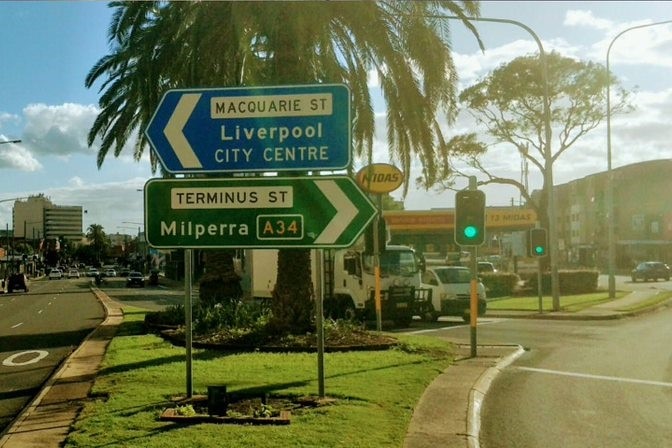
(160, 45)
(98, 240)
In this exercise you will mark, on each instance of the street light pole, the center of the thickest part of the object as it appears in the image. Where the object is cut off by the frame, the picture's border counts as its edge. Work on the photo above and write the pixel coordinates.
(548, 156)
(610, 174)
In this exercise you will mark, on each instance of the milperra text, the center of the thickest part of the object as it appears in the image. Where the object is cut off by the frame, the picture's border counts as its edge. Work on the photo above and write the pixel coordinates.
(197, 230)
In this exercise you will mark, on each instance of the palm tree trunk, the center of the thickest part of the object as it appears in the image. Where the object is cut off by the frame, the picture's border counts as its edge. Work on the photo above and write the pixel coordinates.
(219, 283)
(292, 298)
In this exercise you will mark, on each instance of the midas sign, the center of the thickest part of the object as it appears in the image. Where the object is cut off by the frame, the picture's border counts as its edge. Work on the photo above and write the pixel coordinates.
(379, 178)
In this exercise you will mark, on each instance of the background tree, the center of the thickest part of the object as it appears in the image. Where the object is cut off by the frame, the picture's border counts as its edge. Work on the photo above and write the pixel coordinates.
(98, 240)
(509, 104)
(160, 45)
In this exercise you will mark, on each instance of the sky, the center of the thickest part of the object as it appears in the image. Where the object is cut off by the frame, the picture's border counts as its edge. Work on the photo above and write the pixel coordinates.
(48, 47)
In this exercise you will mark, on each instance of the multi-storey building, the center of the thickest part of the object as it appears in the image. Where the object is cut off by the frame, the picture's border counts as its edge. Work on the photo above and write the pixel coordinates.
(38, 218)
(642, 216)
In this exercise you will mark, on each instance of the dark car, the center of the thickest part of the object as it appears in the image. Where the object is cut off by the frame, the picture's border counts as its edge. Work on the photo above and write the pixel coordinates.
(17, 281)
(135, 279)
(651, 270)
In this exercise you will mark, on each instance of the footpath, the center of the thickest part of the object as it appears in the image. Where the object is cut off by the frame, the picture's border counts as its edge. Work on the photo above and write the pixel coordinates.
(447, 414)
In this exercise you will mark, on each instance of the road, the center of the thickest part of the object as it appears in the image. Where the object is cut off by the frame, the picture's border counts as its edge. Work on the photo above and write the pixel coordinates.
(583, 384)
(38, 330)
(153, 298)
(580, 383)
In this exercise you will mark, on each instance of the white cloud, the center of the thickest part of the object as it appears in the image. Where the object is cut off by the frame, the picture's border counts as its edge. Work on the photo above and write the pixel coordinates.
(15, 156)
(651, 46)
(583, 18)
(76, 181)
(58, 130)
(470, 67)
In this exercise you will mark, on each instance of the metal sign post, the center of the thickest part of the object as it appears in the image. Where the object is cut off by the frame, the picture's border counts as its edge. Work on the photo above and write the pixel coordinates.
(319, 321)
(187, 319)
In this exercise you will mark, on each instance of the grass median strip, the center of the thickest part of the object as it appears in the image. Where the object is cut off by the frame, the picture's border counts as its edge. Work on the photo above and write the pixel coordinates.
(374, 391)
(658, 299)
(570, 303)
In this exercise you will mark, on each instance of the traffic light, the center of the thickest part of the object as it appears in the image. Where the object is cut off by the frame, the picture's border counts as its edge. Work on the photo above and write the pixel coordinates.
(538, 243)
(469, 217)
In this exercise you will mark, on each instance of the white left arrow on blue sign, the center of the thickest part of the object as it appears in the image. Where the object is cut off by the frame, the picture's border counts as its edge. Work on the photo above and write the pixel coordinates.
(174, 130)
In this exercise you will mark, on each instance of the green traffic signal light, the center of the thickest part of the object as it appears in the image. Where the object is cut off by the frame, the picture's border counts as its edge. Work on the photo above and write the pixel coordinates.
(469, 217)
(538, 242)
(470, 232)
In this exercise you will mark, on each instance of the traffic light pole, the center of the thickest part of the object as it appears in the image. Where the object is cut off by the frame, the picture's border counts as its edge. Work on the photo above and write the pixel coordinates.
(473, 302)
(539, 289)
(376, 265)
(470, 233)
(538, 247)
(473, 295)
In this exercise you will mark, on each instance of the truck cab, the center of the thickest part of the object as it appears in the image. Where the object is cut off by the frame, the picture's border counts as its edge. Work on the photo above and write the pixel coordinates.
(355, 281)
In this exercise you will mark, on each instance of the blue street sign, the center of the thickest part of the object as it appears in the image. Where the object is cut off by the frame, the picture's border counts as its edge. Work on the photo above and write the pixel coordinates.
(282, 128)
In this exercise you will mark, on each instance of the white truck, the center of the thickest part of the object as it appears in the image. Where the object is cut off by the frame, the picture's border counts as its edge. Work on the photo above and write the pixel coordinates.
(349, 281)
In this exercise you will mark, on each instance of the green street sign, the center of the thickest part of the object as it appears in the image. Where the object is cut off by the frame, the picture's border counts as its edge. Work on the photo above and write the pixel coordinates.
(263, 212)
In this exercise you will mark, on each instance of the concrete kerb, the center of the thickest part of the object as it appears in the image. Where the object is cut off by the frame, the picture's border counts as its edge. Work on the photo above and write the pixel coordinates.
(477, 395)
(47, 419)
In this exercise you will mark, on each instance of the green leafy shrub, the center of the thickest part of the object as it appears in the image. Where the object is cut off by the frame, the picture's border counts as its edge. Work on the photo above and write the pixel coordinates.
(205, 319)
(499, 284)
(570, 281)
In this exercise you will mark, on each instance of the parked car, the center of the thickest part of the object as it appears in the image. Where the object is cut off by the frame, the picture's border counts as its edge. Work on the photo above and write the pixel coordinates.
(92, 273)
(135, 279)
(451, 292)
(73, 273)
(486, 266)
(17, 281)
(55, 274)
(650, 270)
(110, 273)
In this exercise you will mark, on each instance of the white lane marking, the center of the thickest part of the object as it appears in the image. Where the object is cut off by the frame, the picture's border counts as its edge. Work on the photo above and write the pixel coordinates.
(17, 325)
(597, 377)
(38, 356)
(456, 327)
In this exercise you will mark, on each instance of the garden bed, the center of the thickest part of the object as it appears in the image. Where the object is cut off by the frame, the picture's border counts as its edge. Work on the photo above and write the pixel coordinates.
(241, 409)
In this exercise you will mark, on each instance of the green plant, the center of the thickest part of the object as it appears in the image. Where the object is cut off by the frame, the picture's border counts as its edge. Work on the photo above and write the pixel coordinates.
(186, 410)
(230, 314)
(264, 411)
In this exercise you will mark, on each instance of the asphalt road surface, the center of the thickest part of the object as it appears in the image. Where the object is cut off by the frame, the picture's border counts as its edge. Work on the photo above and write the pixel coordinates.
(580, 383)
(153, 298)
(584, 384)
(38, 330)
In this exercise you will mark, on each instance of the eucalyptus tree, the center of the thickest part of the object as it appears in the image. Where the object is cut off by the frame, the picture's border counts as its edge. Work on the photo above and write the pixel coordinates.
(155, 46)
(508, 103)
